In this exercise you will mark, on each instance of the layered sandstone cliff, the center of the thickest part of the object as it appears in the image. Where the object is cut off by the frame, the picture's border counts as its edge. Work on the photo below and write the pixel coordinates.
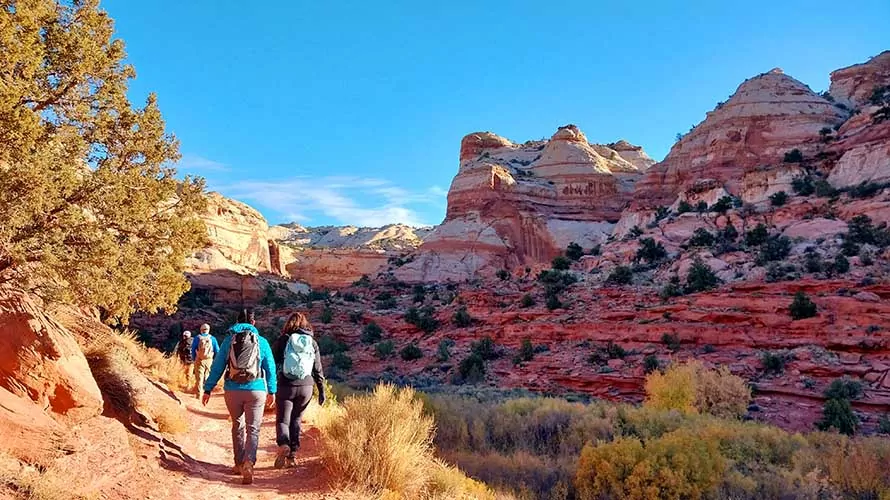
(516, 204)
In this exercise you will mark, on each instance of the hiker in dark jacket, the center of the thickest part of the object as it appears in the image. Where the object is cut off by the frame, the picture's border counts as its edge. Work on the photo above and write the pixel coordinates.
(184, 353)
(246, 360)
(295, 391)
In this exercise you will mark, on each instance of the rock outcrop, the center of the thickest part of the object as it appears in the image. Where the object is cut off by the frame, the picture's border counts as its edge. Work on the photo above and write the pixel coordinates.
(768, 116)
(336, 267)
(516, 204)
(853, 86)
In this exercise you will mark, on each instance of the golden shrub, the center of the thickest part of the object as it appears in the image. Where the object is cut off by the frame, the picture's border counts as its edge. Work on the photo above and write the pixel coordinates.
(692, 388)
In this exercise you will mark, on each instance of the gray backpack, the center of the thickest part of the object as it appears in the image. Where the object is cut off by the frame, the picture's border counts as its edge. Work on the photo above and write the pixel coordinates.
(244, 357)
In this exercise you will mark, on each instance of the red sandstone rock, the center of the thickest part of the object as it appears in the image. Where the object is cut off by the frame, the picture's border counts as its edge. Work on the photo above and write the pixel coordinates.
(853, 85)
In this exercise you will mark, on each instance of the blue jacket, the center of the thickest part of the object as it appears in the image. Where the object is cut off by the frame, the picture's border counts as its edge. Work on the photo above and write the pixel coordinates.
(195, 345)
(266, 382)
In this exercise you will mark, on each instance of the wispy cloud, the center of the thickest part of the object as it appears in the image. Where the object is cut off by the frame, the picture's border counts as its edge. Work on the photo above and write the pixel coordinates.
(194, 163)
(349, 200)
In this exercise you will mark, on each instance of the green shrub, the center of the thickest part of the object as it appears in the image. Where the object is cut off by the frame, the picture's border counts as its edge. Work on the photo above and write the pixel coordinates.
(850, 248)
(841, 264)
(757, 236)
(778, 199)
(556, 281)
(701, 207)
(574, 251)
(844, 388)
(803, 186)
(865, 189)
(389, 303)
(503, 274)
(802, 307)
(371, 333)
(596, 250)
(661, 213)
(526, 350)
(776, 248)
(553, 302)
(462, 318)
(650, 251)
(884, 424)
(419, 294)
(862, 230)
(329, 345)
(793, 156)
(365, 280)
(527, 301)
(423, 318)
(472, 369)
(700, 278)
(838, 414)
(327, 315)
(684, 207)
(411, 352)
(722, 205)
(671, 341)
(824, 189)
(484, 348)
(773, 362)
(356, 317)
(813, 263)
(443, 353)
(350, 297)
(672, 289)
(701, 237)
(560, 263)
(635, 232)
(651, 363)
(341, 361)
(621, 275)
(384, 349)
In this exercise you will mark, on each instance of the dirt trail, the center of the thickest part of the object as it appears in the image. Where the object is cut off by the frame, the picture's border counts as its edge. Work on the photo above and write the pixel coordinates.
(198, 464)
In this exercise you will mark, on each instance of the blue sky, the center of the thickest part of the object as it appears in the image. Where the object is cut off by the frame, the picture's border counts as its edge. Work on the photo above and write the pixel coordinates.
(351, 112)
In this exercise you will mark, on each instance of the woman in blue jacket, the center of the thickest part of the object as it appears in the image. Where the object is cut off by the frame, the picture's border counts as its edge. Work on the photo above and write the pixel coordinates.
(250, 382)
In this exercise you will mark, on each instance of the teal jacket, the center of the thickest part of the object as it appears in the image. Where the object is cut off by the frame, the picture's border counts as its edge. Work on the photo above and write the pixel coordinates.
(267, 382)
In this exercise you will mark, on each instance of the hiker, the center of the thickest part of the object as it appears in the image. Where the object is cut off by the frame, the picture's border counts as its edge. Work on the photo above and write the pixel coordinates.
(204, 349)
(299, 367)
(250, 382)
(184, 353)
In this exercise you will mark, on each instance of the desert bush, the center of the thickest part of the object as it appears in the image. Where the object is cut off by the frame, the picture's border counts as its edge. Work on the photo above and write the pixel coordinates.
(384, 349)
(793, 156)
(802, 307)
(861, 230)
(462, 318)
(865, 189)
(552, 302)
(526, 350)
(692, 388)
(775, 248)
(840, 265)
(329, 345)
(556, 281)
(621, 275)
(527, 301)
(803, 186)
(365, 280)
(684, 207)
(472, 369)
(423, 318)
(701, 237)
(837, 413)
(884, 424)
(379, 442)
(701, 207)
(671, 341)
(700, 277)
(371, 333)
(757, 236)
(503, 274)
(341, 361)
(561, 263)
(671, 289)
(661, 213)
(650, 251)
(443, 352)
(651, 363)
(327, 315)
(485, 348)
(722, 205)
(824, 189)
(411, 352)
(356, 317)
(574, 251)
(773, 362)
(778, 199)
(857, 468)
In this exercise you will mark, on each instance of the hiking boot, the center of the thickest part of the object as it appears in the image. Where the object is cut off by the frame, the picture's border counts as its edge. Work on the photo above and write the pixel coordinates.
(236, 470)
(247, 473)
(290, 462)
(281, 458)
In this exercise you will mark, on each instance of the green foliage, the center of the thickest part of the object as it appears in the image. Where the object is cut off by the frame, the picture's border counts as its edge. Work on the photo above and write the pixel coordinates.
(384, 349)
(411, 352)
(621, 275)
(423, 318)
(443, 352)
(356, 317)
(850, 248)
(838, 414)
(701, 207)
(861, 230)
(552, 302)
(884, 424)
(757, 236)
(813, 263)
(844, 388)
(364, 281)
(573, 251)
(526, 350)
(472, 369)
(650, 251)
(462, 318)
(802, 307)
(527, 301)
(651, 363)
(701, 237)
(793, 156)
(803, 186)
(329, 345)
(596, 250)
(778, 199)
(671, 341)
(350, 297)
(327, 315)
(700, 277)
(722, 205)
(841, 264)
(672, 289)
(503, 274)
(419, 294)
(824, 189)
(556, 281)
(776, 248)
(684, 207)
(866, 189)
(371, 333)
(93, 212)
(635, 232)
(773, 362)
(781, 272)
(484, 348)
(661, 213)
(341, 361)
(388, 303)
(881, 97)
(561, 263)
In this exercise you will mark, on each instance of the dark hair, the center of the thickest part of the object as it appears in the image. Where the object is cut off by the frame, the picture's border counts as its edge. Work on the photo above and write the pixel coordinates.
(246, 315)
(296, 322)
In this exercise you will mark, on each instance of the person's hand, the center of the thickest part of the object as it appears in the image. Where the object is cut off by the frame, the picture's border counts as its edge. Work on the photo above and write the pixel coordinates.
(205, 398)
(321, 399)
(270, 400)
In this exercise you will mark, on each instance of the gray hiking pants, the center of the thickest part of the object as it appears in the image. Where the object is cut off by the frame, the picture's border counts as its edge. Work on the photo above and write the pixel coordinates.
(291, 402)
(246, 410)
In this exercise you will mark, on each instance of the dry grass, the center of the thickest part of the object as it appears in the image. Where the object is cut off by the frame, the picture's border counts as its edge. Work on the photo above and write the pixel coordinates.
(381, 444)
(33, 483)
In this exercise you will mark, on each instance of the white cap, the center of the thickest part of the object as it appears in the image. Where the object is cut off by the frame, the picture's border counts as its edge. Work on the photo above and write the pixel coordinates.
(186, 334)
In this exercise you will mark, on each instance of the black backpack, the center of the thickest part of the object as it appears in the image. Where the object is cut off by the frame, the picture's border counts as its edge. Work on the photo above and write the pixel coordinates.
(184, 351)
(244, 357)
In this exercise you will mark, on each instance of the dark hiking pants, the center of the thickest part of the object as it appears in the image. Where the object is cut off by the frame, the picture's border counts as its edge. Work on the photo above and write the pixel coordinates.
(291, 402)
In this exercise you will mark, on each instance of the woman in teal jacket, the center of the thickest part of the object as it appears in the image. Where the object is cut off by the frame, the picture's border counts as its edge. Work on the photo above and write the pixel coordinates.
(244, 399)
